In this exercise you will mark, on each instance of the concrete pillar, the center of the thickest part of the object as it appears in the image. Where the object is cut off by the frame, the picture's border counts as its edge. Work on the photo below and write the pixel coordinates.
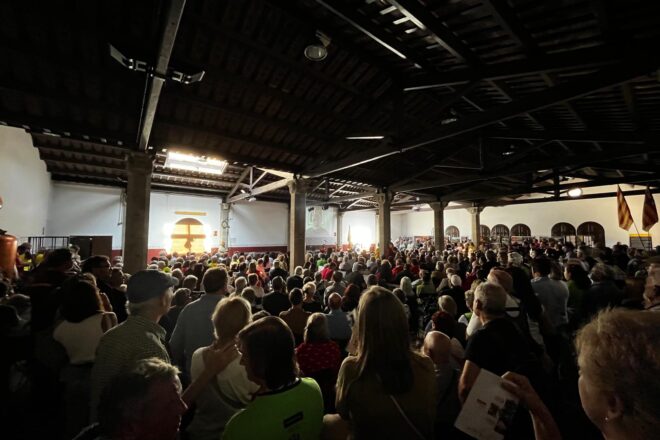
(340, 219)
(439, 223)
(297, 220)
(224, 227)
(384, 200)
(475, 212)
(136, 223)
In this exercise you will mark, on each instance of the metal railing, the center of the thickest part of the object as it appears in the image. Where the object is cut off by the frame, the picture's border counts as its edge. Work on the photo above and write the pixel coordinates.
(46, 242)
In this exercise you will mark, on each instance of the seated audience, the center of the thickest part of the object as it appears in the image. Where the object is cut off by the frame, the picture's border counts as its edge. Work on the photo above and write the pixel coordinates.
(285, 406)
(277, 301)
(296, 316)
(310, 303)
(254, 283)
(339, 327)
(319, 357)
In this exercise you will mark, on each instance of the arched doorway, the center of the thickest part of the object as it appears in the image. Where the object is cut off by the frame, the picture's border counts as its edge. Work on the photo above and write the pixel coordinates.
(500, 234)
(521, 230)
(591, 234)
(484, 231)
(453, 233)
(188, 236)
(563, 231)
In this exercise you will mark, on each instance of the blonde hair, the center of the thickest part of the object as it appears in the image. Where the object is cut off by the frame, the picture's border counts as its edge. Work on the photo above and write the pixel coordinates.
(382, 343)
(309, 288)
(618, 351)
(230, 316)
(316, 329)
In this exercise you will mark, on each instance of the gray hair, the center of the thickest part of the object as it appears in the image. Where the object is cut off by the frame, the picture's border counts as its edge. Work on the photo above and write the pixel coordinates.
(492, 297)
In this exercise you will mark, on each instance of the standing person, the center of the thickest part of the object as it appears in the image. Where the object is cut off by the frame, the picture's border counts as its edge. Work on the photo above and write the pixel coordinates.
(553, 294)
(499, 347)
(285, 406)
(140, 337)
(143, 402)
(231, 390)
(100, 267)
(194, 328)
(386, 390)
(84, 324)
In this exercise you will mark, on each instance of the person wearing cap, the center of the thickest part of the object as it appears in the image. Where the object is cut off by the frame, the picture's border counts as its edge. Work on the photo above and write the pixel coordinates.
(140, 337)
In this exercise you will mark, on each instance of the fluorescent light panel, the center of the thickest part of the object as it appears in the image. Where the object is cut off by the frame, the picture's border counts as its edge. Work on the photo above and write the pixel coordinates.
(198, 164)
(364, 137)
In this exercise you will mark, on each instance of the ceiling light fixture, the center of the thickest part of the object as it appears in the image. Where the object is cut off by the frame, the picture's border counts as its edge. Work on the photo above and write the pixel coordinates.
(364, 138)
(318, 51)
(575, 192)
(251, 199)
(198, 164)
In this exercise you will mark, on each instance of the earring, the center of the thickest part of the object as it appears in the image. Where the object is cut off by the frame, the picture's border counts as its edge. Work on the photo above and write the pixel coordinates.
(607, 419)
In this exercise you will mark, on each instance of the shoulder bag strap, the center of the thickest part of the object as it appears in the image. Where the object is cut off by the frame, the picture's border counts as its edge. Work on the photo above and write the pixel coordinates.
(405, 417)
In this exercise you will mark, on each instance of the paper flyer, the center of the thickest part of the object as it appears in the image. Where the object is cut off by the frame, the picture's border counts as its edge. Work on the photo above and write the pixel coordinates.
(488, 410)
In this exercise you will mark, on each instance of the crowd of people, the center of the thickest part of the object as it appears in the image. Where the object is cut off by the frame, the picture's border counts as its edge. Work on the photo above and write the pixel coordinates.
(349, 345)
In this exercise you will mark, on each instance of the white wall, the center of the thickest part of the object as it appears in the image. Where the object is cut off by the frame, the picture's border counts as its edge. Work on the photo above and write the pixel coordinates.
(85, 210)
(166, 209)
(540, 217)
(363, 227)
(95, 210)
(258, 224)
(24, 185)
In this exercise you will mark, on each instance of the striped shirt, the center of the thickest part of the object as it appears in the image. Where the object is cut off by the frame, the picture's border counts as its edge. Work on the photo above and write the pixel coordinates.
(121, 348)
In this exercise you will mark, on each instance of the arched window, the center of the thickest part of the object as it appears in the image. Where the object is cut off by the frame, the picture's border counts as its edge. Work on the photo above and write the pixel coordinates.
(562, 230)
(188, 236)
(484, 231)
(521, 230)
(452, 232)
(591, 233)
(499, 231)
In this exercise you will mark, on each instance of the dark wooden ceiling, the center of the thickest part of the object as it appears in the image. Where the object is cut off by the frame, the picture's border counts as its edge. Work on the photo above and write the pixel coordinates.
(479, 101)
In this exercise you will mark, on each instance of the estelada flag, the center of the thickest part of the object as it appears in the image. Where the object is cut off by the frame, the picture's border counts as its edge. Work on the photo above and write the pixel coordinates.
(650, 213)
(625, 218)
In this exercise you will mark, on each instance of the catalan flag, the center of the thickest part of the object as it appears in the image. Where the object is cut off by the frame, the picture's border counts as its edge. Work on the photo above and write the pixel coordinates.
(650, 213)
(625, 218)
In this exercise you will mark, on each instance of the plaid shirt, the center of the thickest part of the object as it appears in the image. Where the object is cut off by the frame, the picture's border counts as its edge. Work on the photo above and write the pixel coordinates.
(121, 348)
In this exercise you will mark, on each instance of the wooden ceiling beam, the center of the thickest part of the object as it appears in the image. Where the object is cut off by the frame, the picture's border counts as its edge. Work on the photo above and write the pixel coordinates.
(173, 15)
(589, 136)
(584, 59)
(582, 159)
(609, 77)
(420, 15)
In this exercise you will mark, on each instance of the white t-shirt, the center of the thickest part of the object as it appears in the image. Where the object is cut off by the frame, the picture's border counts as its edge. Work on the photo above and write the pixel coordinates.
(80, 339)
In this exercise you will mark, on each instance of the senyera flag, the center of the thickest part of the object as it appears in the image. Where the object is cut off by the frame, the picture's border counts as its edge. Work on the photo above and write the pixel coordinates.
(650, 213)
(625, 218)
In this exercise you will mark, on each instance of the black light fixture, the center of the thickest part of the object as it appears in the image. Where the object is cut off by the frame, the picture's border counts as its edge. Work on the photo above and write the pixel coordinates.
(319, 50)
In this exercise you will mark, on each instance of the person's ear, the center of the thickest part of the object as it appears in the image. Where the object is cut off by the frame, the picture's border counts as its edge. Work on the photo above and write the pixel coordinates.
(614, 408)
(477, 306)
